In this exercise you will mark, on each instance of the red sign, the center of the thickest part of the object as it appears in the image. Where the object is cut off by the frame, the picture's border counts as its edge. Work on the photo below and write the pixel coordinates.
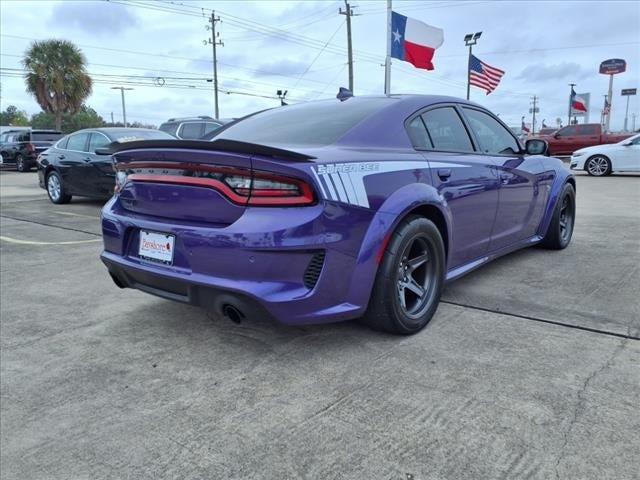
(613, 66)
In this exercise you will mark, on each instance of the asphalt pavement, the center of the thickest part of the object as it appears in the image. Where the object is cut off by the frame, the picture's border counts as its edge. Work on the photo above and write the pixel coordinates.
(529, 369)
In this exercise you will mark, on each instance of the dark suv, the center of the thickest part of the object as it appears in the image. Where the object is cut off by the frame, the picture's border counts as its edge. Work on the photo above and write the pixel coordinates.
(191, 128)
(22, 147)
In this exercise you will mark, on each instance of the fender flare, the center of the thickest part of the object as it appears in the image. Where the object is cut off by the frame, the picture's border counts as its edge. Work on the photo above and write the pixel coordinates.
(396, 207)
(563, 177)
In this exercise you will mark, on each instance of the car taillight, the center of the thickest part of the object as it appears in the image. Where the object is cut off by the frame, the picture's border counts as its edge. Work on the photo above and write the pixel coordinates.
(264, 190)
(239, 186)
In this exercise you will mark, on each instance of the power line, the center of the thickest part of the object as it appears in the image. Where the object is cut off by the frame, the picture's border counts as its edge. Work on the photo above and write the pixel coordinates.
(147, 54)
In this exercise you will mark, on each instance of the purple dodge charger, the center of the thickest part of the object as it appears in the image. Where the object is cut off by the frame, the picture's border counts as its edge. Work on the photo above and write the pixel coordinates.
(332, 210)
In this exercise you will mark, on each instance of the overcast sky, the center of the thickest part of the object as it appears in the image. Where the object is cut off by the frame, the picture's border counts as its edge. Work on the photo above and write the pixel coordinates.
(301, 47)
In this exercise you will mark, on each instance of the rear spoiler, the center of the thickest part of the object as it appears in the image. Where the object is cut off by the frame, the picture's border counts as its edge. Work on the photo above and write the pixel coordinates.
(223, 145)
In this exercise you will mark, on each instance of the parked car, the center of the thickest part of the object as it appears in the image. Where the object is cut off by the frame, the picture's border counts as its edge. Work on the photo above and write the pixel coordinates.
(328, 210)
(72, 167)
(568, 139)
(602, 160)
(22, 147)
(191, 128)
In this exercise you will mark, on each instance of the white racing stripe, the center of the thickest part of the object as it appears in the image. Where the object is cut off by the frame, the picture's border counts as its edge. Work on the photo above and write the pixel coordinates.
(345, 181)
(342, 193)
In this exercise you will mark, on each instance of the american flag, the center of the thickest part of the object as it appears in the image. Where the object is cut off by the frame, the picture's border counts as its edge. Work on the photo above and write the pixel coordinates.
(607, 108)
(483, 75)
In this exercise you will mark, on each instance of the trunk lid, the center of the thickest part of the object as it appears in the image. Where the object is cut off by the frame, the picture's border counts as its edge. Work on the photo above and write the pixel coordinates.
(181, 184)
(210, 182)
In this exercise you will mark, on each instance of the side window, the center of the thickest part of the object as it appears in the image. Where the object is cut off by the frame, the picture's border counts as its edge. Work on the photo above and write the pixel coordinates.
(446, 130)
(97, 140)
(77, 142)
(62, 144)
(588, 130)
(568, 131)
(191, 131)
(210, 127)
(418, 134)
(492, 136)
(24, 137)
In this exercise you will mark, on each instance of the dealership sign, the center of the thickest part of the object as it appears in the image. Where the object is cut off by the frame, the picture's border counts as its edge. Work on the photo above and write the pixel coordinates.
(628, 91)
(613, 66)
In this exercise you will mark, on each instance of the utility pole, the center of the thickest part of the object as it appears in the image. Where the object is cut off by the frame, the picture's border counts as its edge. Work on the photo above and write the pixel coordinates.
(470, 39)
(571, 85)
(348, 12)
(534, 109)
(112, 119)
(633, 122)
(124, 110)
(214, 42)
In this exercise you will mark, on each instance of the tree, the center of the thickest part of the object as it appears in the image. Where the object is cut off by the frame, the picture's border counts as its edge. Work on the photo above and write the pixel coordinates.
(14, 117)
(85, 117)
(57, 77)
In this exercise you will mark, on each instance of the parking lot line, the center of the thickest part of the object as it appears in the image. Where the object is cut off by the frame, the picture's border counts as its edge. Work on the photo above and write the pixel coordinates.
(32, 242)
(93, 217)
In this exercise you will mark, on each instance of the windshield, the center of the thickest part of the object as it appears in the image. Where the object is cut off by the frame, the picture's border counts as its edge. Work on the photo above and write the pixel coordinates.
(315, 123)
(634, 140)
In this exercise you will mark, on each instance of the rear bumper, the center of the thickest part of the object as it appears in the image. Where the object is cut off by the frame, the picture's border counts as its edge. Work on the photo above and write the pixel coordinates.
(260, 264)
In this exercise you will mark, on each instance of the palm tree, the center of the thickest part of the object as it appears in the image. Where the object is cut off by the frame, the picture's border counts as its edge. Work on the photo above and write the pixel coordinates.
(57, 77)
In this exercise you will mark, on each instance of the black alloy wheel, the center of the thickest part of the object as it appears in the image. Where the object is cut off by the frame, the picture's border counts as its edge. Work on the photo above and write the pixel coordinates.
(560, 229)
(410, 278)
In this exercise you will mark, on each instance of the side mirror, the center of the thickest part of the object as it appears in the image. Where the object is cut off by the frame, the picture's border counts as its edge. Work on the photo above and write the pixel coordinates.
(536, 146)
(556, 135)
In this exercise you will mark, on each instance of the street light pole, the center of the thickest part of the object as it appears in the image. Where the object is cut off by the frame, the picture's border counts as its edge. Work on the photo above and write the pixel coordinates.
(124, 110)
(470, 39)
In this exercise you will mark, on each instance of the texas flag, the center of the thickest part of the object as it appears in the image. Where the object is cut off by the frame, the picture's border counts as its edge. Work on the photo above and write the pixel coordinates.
(414, 41)
(578, 104)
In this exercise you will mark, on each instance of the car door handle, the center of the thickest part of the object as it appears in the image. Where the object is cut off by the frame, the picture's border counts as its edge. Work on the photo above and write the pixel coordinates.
(444, 173)
(87, 159)
(61, 157)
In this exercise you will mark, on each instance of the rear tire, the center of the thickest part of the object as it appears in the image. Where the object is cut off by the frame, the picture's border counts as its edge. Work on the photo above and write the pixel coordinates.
(560, 229)
(21, 165)
(598, 166)
(55, 189)
(410, 279)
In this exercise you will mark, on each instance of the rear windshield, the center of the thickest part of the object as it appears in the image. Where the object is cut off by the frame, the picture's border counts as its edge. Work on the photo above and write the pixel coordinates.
(46, 136)
(317, 123)
(170, 128)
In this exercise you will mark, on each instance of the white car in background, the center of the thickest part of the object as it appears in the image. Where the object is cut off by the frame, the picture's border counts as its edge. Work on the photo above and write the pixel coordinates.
(601, 160)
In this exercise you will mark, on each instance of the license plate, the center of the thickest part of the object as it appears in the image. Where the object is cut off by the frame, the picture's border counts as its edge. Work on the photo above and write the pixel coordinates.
(156, 247)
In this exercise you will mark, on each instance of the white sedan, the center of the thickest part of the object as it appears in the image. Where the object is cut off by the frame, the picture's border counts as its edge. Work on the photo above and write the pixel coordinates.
(601, 160)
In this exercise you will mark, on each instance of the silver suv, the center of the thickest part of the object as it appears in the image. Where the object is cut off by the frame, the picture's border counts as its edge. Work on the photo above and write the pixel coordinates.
(191, 128)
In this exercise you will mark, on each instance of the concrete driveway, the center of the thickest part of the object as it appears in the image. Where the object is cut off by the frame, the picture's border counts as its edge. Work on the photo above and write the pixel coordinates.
(530, 368)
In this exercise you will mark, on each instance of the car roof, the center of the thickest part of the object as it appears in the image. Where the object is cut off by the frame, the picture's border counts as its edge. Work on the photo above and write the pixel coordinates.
(187, 119)
(111, 131)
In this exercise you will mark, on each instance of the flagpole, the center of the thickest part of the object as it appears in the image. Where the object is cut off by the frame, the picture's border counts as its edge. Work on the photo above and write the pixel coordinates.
(571, 85)
(387, 63)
